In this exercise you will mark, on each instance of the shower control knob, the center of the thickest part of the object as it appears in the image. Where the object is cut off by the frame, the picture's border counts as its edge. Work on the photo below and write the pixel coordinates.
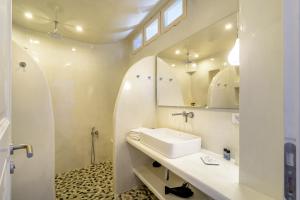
(95, 131)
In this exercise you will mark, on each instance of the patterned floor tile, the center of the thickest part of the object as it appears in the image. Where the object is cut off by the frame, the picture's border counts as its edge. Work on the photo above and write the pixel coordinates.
(94, 182)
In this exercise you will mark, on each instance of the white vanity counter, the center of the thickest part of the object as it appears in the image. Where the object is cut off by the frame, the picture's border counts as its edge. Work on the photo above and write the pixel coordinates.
(220, 182)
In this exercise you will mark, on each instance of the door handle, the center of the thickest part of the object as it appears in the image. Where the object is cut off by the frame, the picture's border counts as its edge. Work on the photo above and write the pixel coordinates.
(27, 147)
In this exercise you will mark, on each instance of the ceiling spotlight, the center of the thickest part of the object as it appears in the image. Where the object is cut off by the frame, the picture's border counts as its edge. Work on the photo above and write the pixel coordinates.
(212, 59)
(73, 49)
(79, 28)
(34, 41)
(196, 55)
(173, 65)
(228, 26)
(177, 52)
(28, 15)
(194, 65)
(68, 64)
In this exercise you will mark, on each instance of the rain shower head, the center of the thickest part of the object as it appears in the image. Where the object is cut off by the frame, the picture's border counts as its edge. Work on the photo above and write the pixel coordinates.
(55, 34)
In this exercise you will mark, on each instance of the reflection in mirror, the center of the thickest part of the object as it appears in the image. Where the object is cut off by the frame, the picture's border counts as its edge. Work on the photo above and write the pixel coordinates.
(196, 72)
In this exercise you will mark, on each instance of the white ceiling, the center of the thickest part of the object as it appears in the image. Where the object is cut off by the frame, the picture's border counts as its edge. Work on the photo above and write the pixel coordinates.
(207, 42)
(103, 21)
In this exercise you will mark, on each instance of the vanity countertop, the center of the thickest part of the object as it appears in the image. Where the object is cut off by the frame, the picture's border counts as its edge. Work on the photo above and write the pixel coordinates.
(221, 182)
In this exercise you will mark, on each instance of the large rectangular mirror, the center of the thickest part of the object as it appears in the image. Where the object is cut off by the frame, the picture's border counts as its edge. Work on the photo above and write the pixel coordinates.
(196, 72)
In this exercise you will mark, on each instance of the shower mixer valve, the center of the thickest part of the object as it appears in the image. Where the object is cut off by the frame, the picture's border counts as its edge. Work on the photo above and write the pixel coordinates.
(95, 131)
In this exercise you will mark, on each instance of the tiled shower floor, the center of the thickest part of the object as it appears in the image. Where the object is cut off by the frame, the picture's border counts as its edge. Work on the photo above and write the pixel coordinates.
(94, 182)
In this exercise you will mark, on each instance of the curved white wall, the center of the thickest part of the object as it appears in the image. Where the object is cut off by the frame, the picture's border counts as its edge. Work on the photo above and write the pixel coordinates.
(262, 96)
(32, 123)
(84, 85)
(135, 107)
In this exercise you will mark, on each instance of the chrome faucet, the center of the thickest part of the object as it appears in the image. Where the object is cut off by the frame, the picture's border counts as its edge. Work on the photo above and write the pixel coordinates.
(185, 114)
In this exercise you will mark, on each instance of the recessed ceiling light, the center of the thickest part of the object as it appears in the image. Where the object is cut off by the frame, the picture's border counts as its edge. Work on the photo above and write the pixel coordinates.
(173, 65)
(34, 41)
(194, 65)
(28, 15)
(79, 28)
(73, 49)
(177, 52)
(212, 59)
(228, 26)
(68, 64)
(196, 55)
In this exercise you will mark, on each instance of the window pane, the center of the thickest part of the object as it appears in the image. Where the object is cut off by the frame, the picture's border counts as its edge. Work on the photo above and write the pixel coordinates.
(173, 12)
(152, 30)
(138, 42)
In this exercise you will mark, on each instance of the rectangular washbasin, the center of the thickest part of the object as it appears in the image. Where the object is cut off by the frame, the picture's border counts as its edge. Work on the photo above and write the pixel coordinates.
(171, 143)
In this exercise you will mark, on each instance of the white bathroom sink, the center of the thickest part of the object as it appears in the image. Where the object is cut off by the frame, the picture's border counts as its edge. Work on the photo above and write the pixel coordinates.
(171, 143)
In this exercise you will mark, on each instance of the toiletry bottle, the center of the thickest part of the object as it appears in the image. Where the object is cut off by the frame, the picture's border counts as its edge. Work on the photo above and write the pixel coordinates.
(228, 154)
(224, 153)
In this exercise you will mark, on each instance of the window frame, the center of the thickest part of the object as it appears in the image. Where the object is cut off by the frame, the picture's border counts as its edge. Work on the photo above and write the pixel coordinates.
(176, 21)
(134, 38)
(150, 21)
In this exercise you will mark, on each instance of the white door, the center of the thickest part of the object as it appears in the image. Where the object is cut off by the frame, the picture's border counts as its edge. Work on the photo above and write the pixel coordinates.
(5, 98)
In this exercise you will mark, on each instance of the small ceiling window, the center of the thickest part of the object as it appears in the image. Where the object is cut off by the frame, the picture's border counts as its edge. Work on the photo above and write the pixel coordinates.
(173, 13)
(152, 29)
(138, 42)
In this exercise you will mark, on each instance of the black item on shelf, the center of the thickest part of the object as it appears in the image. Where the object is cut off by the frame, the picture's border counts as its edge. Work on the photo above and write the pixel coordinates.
(183, 191)
(156, 164)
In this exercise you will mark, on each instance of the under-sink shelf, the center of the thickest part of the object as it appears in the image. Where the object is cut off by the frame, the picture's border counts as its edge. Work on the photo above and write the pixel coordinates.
(219, 182)
(153, 178)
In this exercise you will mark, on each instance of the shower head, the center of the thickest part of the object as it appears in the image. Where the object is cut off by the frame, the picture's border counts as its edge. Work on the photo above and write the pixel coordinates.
(55, 34)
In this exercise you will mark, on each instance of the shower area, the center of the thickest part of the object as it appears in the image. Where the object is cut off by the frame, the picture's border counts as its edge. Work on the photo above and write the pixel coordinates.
(69, 87)
(79, 147)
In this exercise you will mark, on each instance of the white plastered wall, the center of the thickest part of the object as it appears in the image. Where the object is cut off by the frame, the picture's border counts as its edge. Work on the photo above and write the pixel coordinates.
(135, 107)
(261, 97)
(32, 123)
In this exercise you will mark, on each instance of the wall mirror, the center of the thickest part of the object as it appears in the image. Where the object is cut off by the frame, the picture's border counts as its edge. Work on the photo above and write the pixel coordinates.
(196, 73)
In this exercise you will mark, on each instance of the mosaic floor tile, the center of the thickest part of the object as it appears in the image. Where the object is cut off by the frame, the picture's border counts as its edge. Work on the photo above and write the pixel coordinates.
(139, 193)
(94, 182)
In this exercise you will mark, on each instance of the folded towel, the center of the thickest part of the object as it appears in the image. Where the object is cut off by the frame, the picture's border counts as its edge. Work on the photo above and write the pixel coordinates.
(141, 130)
(135, 134)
